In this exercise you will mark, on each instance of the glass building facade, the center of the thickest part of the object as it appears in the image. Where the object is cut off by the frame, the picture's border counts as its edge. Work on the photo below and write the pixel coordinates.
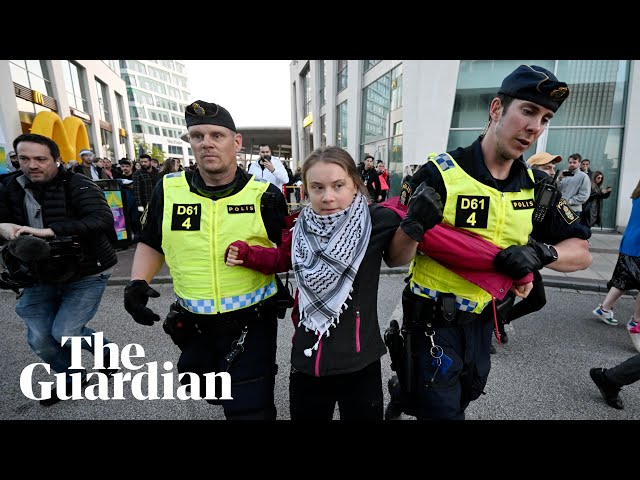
(158, 93)
(399, 111)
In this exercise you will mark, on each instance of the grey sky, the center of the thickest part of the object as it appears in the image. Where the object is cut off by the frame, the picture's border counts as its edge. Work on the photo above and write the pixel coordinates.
(256, 92)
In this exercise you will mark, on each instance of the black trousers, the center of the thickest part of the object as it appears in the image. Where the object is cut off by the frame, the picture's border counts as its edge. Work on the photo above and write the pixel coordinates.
(358, 395)
(625, 373)
(252, 372)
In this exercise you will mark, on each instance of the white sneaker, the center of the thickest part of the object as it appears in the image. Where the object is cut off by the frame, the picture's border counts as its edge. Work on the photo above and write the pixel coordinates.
(634, 332)
(606, 317)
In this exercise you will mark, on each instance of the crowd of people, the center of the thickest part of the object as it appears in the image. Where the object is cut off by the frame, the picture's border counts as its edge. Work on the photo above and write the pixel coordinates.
(475, 224)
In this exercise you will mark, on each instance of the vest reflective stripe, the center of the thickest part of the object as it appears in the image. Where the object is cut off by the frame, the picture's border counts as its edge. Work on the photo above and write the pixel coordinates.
(505, 226)
(230, 303)
(461, 303)
(196, 232)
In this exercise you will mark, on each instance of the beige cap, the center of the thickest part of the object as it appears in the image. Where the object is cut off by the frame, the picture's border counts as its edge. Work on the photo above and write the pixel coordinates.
(543, 158)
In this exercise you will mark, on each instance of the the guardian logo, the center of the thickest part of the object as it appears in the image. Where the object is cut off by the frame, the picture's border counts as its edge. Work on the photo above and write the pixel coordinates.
(148, 380)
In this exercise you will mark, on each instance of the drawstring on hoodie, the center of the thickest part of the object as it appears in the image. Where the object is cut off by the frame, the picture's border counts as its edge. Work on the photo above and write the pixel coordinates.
(495, 320)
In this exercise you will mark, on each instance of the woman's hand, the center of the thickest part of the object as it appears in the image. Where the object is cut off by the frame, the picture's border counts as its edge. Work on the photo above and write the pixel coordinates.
(232, 256)
(522, 291)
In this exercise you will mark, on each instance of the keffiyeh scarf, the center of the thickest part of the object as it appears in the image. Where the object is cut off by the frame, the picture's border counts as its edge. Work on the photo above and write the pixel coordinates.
(326, 253)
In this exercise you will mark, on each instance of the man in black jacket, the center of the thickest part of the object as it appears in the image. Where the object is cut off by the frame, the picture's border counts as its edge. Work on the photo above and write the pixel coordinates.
(61, 292)
(371, 180)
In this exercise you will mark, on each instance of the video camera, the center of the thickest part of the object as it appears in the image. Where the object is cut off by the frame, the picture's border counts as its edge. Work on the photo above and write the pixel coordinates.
(28, 260)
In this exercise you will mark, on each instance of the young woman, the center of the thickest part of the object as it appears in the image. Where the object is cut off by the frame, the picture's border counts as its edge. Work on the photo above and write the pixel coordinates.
(336, 248)
(383, 175)
(592, 209)
(168, 166)
(626, 274)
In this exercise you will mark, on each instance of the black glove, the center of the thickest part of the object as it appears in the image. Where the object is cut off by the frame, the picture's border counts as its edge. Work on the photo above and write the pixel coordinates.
(425, 212)
(518, 260)
(136, 296)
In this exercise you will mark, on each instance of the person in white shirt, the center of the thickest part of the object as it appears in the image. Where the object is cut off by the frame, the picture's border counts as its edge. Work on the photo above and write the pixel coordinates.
(269, 168)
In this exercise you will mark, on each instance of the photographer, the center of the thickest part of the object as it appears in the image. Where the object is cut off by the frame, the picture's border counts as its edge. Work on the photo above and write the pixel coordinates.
(269, 168)
(574, 185)
(45, 200)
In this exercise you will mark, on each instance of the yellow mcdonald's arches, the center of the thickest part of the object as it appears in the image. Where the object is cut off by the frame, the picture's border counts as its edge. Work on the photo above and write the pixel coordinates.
(70, 135)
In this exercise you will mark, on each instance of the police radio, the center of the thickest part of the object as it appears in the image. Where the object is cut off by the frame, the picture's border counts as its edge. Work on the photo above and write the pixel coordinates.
(545, 195)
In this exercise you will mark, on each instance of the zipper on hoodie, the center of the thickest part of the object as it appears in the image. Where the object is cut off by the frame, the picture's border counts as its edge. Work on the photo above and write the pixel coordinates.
(318, 352)
(357, 330)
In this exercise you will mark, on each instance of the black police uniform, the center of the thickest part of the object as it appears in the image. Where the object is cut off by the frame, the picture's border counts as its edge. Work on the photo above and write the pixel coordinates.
(558, 225)
(466, 336)
(205, 342)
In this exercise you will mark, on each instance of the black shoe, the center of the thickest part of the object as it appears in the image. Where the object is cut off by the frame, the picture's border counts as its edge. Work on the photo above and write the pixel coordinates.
(47, 402)
(609, 392)
(503, 335)
(492, 350)
(394, 409)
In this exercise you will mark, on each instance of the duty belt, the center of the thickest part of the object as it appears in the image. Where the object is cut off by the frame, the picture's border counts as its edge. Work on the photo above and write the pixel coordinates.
(441, 312)
(221, 323)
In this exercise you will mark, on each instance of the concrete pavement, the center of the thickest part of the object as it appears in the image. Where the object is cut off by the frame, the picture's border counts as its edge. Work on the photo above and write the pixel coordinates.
(604, 249)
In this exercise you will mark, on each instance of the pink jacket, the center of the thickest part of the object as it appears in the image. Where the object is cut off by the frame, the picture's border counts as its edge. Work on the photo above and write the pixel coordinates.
(464, 253)
(461, 251)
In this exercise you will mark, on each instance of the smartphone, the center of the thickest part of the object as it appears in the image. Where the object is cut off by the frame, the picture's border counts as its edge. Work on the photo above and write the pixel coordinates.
(543, 202)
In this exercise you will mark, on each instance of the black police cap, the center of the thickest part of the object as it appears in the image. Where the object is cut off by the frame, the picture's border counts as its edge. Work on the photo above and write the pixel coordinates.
(205, 113)
(535, 84)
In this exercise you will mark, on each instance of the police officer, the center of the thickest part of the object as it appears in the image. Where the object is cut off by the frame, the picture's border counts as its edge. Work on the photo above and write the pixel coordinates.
(63, 289)
(488, 189)
(224, 318)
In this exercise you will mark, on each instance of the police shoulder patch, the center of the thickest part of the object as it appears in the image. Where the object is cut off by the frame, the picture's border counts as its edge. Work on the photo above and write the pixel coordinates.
(568, 215)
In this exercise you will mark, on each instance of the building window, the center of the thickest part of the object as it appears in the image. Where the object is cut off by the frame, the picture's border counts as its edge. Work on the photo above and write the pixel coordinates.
(376, 108)
(120, 107)
(396, 87)
(341, 130)
(134, 65)
(342, 75)
(306, 88)
(323, 130)
(369, 64)
(103, 101)
(323, 82)
(175, 150)
(76, 92)
(33, 74)
(395, 167)
(106, 139)
(113, 65)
